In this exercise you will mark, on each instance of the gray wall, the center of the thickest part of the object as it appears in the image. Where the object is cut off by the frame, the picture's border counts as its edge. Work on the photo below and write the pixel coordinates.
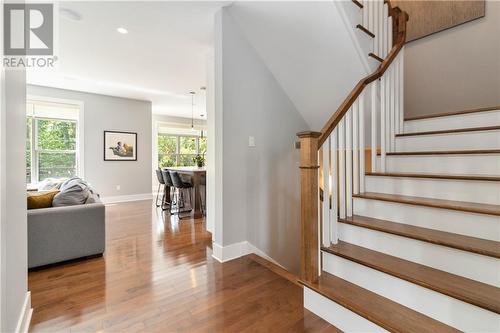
(261, 183)
(455, 69)
(111, 113)
(13, 200)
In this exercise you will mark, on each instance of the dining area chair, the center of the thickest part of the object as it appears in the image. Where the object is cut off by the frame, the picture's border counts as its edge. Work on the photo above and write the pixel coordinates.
(180, 186)
(161, 182)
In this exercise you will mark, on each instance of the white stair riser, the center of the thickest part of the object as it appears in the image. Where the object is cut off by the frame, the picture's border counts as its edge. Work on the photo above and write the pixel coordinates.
(443, 308)
(487, 164)
(451, 141)
(473, 266)
(340, 317)
(461, 190)
(477, 119)
(463, 223)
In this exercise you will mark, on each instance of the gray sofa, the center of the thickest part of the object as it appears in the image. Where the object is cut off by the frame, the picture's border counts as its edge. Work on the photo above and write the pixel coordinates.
(57, 234)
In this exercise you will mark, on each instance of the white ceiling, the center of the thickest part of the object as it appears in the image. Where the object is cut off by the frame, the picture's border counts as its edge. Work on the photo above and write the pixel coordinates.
(161, 59)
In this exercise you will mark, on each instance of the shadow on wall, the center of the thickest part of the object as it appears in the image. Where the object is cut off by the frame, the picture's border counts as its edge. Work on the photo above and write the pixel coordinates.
(274, 210)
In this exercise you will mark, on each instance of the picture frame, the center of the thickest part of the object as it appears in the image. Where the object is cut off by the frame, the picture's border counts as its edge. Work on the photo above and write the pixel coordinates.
(120, 146)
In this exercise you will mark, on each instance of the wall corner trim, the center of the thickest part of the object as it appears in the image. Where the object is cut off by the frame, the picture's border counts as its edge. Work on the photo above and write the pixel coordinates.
(127, 198)
(23, 323)
(233, 251)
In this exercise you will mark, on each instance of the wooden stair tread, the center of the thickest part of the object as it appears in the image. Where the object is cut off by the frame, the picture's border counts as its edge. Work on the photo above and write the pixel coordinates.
(454, 113)
(376, 57)
(445, 152)
(465, 243)
(388, 314)
(435, 176)
(464, 289)
(471, 207)
(365, 30)
(449, 131)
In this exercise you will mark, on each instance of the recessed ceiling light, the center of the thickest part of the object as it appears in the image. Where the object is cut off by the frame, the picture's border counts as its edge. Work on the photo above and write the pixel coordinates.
(122, 30)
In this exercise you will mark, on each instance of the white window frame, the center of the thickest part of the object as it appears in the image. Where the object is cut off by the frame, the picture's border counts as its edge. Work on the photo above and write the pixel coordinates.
(178, 145)
(80, 170)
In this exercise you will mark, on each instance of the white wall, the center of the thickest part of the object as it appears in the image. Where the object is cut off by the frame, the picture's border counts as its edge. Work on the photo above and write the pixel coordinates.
(308, 47)
(101, 113)
(261, 197)
(455, 69)
(211, 164)
(13, 201)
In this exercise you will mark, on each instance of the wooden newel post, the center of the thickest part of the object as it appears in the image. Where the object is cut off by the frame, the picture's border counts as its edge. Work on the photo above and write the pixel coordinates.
(309, 263)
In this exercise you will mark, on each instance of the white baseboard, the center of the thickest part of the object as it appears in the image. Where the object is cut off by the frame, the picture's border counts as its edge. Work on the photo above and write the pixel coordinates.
(126, 198)
(23, 324)
(229, 252)
(236, 250)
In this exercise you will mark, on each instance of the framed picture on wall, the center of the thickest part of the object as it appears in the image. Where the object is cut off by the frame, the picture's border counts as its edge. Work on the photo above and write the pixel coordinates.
(120, 146)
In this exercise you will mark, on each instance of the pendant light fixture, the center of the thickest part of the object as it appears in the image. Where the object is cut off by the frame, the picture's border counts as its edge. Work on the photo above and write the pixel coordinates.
(192, 109)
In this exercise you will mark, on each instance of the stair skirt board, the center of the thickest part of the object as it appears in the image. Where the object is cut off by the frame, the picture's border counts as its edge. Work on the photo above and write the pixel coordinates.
(463, 223)
(476, 119)
(450, 141)
(487, 192)
(337, 315)
(446, 309)
(480, 164)
(473, 266)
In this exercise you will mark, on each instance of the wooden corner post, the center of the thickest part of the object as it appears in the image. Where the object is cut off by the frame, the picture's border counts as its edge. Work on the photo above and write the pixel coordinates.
(309, 262)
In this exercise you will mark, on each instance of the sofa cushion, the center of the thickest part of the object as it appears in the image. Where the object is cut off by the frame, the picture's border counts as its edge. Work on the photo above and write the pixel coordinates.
(41, 199)
(73, 191)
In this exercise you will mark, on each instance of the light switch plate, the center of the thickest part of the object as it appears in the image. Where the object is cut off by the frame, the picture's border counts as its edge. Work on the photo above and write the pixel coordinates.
(251, 141)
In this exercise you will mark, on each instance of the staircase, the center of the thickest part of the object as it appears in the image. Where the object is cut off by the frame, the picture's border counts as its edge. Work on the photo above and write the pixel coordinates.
(414, 244)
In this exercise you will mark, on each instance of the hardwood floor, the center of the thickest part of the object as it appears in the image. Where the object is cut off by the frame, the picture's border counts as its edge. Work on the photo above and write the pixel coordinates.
(158, 275)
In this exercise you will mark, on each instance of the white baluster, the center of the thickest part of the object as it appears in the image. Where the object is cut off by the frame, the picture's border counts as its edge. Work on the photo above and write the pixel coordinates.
(380, 16)
(362, 142)
(365, 21)
(348, 162)
(392, 103)
(355, 147)
(382, 122)
(396, 95)
(374, 19)
(385, 35)
(342, 199)
(374, 92)
(389, 33)
(334, 238)
(326, 193)
(402, 90)
(392, 91)
(388, 109)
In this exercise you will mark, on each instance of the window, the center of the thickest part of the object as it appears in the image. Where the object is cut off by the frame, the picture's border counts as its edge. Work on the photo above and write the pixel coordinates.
(179, 149)
(51, 141)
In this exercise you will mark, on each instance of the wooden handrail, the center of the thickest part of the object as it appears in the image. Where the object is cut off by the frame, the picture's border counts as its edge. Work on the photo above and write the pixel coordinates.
(310, 143)
(400, 17)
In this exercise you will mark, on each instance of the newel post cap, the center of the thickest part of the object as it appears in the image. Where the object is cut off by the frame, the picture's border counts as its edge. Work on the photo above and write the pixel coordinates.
(309, 134)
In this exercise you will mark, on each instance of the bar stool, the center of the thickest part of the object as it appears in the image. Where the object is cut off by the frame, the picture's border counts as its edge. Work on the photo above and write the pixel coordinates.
(168, 184)
(203, 194)
(179, 186)
(160, 183)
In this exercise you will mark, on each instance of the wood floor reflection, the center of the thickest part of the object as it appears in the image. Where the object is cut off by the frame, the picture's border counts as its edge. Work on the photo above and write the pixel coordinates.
(158, 275)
